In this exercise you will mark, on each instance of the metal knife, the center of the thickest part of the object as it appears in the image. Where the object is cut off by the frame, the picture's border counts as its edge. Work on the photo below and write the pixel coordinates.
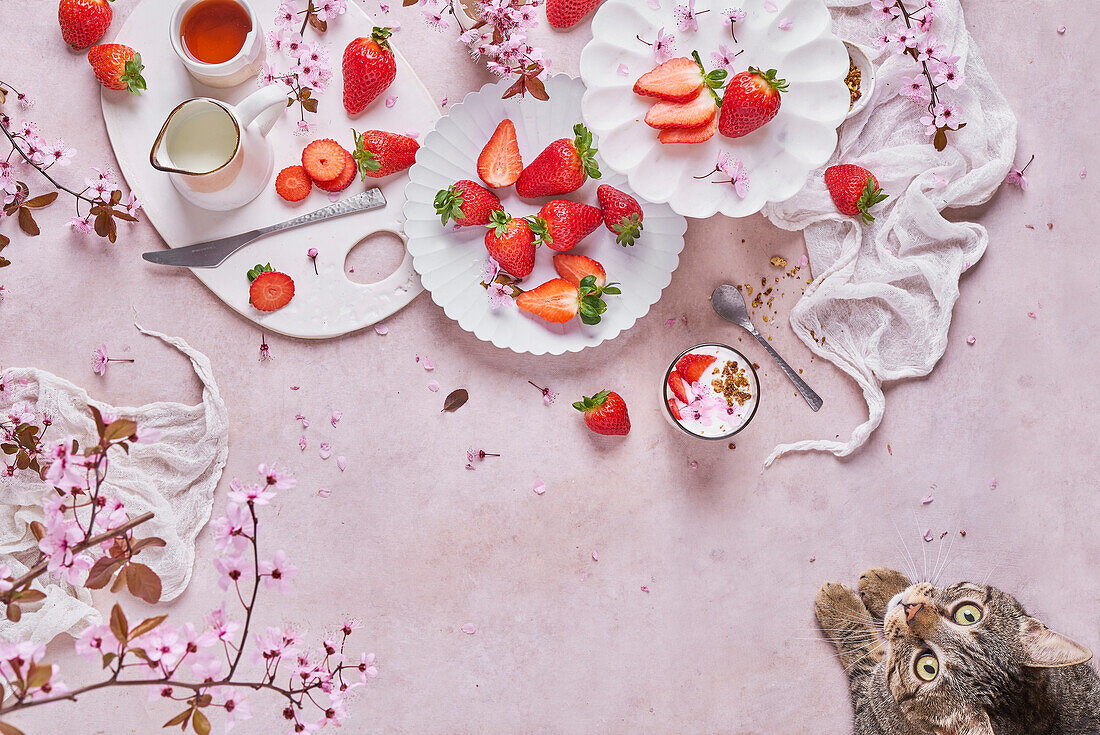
(213, 253)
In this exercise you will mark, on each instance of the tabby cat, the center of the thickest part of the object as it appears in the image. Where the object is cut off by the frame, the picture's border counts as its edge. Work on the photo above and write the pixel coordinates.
(959, 660)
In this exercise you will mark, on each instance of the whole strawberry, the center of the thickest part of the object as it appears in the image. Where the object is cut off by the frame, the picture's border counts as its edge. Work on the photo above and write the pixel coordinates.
(117, 67)
(563, 167)
(466, 203)
(379, 153)
(83, 22)
(605, 413)
(511, 242)
(854, 189)
(751, 100)
(369, 68)
(568, 223)
(567, 13)
(621, 214)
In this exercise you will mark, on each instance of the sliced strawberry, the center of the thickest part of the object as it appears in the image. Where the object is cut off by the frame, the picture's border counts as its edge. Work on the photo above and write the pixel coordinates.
(692, 366)
(674, 409)
(500, 162)
(556, 301)
(678, 387)
(690, 135)
(676, 80)
(271, 290)
(293, 184)
(344, 180)
(573, 268)
(694, 114)
(323, 160)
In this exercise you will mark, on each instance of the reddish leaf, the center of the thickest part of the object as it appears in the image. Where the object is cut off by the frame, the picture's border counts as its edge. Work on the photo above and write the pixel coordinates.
(143, 582)
(28, 596)
(6, 729)
(119, 429)
(27, 223)
(120, 580)
(147, 625)
(537, 88)
(140, 544)
(119, 626)
(180, 719)
(102, 571)
(13, 612)
(41, 200)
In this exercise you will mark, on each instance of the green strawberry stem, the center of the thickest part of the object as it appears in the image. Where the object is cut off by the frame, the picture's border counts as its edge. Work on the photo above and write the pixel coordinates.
(131, 75)
(364, 160)
(583, 143)
(870, 196)
(714, 80)
(592, 306)
(448, 205)
(255, 272)
(381, 35)
(587, 404)
(628, 230)
(498, 222)
(540, 229)
(779, 85)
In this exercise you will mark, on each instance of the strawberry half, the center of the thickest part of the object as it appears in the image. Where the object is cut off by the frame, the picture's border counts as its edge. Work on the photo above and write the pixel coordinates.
(575, 268)
(369, 68)
(500, 162)
(605, 413)
(621, 214)
(678, 387)
(692, 366)
(558, 300)
(561, 168)
(270, 290)
(568, 223)
(690, 135)
(466, 203)
(854, 190)
(751, 100)
(676, 80)
(695, 114)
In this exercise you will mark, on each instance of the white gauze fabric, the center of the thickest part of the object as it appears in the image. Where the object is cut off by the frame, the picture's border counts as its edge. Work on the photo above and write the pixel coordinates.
(880, 304)
(174, 477)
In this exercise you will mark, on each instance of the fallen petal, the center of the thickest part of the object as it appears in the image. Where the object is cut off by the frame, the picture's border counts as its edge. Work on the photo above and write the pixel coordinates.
(381, 329)
(469, 629)
(342, 462)
(540, 487)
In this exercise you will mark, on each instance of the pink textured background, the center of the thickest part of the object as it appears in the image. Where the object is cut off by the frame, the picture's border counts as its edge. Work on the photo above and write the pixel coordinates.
(417, 546)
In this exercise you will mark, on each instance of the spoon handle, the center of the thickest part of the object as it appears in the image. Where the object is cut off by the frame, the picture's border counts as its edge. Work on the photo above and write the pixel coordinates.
(807, 392)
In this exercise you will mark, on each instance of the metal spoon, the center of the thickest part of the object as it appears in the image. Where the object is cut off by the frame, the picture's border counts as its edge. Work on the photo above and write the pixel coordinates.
(730, 305)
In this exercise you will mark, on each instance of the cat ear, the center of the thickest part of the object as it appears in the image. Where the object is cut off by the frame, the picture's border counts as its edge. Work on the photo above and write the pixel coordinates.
(966, 722)
(1049, 650)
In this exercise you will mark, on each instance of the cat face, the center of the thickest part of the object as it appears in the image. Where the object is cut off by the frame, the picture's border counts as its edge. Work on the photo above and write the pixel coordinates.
(953, 651)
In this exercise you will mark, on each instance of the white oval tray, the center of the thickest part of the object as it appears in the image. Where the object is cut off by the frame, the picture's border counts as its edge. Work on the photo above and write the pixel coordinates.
(325, 305)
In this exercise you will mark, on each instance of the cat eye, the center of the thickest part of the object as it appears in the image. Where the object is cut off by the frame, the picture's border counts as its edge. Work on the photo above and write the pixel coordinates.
(967, 614)
(928, 666)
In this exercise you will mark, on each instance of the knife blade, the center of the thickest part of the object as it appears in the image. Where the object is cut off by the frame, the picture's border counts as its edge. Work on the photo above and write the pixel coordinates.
(213, 253)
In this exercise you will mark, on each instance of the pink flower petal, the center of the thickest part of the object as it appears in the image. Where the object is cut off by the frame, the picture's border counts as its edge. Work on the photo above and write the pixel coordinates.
(412, 133)
(381, 329)
(928, 535)
(623, 70)
(595, 555)
(1084, 172)
(1031, 315)
(540, 487)
(324, 451)
(655, 4)
(323, 493)
(785, 24)
(971, 339)
(391, 100)
(645, 588)
(302, 442)
(433, 386)
(993, 484)
(342, 462)
(469, 629)
(926, 499)
(770, 6)
(428, 364)
(336, 416)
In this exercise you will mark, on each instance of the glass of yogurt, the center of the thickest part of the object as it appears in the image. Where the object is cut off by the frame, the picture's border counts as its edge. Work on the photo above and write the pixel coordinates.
(710, 391)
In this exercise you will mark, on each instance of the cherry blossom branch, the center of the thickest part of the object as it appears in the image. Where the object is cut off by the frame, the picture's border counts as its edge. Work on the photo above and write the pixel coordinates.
(255, 588)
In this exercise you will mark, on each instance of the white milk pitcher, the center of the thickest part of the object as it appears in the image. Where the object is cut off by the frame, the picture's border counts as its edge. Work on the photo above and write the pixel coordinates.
(217, 154)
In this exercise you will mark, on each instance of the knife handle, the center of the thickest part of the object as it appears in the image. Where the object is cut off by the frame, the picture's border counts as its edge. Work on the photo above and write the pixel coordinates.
(370, 199)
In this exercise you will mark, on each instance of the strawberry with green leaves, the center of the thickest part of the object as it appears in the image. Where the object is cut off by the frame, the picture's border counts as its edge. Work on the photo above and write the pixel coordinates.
(466, 203)
(511, 242)
(561, 168)
(854, 190)
(270, 290)
(117, 67)
(605, 413)
(752, 99)
(369, 68)
(559, 300)
(379, 153)
(621, 214)
(568, 223)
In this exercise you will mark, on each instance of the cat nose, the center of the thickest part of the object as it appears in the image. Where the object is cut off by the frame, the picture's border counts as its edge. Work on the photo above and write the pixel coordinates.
(911, 610)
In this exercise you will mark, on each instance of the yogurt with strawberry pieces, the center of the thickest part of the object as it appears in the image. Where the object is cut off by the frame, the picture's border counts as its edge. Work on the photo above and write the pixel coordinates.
(711, 391)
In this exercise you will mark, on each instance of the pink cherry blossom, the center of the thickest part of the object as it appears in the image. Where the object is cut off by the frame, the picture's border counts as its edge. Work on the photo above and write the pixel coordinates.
(785, 24)
(278, 572)
(664, 46)
(685, 17)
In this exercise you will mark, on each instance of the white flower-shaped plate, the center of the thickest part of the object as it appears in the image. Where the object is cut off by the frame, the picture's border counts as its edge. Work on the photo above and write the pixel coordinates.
(778, 157)
(451, 261)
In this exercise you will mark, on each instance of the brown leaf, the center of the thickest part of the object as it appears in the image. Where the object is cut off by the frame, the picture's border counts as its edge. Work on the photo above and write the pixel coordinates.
(147, 625)
(118, 213)
(6, 729)
(456, 400)
(41, 201)
(940, 141)
(38, 529)
(102, 571)
(408, 3)
(517, 88)
(4, 262)
(143, 583)
(120, 580)
(13, 612)
(180, 719)
(22, 460)
(4, 240)
(119, 626)
(32, 596)
(200, 723)
(537, 88)
(320, 25)
(38, 675)
(27, 223)
(310, 105)
(119, 429)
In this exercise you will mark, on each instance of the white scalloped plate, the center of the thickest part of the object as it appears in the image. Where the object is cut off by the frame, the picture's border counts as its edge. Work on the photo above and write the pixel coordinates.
(451, 260)
(778, 156)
